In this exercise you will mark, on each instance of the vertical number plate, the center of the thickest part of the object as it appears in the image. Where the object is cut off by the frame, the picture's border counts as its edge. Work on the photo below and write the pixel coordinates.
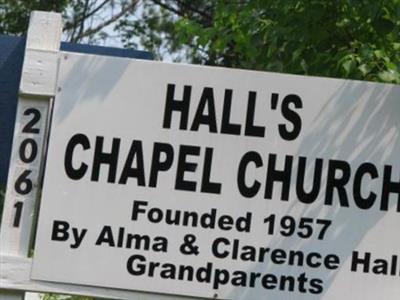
(24, 172)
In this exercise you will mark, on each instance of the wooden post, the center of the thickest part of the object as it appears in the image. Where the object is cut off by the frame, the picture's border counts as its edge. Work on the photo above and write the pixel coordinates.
(37, 88)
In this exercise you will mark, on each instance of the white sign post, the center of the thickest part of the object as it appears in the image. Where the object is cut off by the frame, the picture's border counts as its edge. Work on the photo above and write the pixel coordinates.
(37, 86)
(220, 183)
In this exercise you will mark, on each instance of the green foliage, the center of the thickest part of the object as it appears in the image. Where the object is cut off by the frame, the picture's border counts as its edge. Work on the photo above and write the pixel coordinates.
(84, 20)
(14, 14)
(357, 39)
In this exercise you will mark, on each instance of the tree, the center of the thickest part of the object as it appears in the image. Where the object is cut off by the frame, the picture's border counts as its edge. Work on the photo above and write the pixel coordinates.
(358, 39)
(84, 20)
(14, 14)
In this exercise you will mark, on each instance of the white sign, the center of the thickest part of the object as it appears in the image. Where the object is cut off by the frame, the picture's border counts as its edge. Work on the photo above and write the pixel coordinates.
(221, 183)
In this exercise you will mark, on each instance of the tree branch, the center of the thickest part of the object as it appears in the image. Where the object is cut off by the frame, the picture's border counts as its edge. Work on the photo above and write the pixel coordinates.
(125, 9)
(199, 12)
(85, 16)
(169, 8)
(82, 23)
(206, 22)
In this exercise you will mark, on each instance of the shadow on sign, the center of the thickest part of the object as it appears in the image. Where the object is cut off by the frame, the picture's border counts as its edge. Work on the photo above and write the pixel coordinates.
(107, 75)
(358, 128)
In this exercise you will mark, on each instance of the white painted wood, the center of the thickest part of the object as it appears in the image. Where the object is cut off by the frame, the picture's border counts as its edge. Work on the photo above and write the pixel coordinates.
(32, 296)
(15, 275)
(39, 73)
(15, 240)
(37, 87)
(44, 31)
(41, 54)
